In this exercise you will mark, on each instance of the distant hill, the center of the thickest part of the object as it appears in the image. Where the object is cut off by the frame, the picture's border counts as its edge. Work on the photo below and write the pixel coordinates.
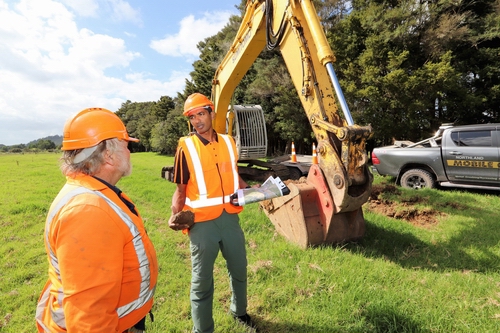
(57, 139)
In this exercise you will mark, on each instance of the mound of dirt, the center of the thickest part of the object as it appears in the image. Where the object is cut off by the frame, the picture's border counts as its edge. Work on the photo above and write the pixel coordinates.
(406, 209)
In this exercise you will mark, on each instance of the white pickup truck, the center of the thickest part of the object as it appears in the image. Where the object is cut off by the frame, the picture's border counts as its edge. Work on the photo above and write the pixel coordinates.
(457, 156)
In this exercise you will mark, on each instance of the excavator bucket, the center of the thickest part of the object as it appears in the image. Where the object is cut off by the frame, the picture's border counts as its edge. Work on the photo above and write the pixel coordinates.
(306, 216)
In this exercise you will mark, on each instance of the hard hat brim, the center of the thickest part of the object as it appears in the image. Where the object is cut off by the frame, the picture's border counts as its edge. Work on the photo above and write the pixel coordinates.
(193, 111)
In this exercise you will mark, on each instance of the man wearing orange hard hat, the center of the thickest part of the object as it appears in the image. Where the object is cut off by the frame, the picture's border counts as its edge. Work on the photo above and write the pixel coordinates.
(206, 173)
(102, 264)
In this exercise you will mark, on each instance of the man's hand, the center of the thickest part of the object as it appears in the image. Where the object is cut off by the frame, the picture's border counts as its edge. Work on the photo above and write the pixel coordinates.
(181, 220)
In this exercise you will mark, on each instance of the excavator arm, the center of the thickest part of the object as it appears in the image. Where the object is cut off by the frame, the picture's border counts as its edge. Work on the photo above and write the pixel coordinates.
(327, 208)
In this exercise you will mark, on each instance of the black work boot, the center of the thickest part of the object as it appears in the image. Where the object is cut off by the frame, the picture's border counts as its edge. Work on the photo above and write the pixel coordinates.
(246, 320)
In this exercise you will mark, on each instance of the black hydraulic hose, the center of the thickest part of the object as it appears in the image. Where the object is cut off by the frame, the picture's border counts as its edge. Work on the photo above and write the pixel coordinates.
(273, 39)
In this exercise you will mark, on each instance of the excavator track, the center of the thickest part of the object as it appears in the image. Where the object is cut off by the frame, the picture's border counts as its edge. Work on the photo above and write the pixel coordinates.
(258, 170)
(249, 172)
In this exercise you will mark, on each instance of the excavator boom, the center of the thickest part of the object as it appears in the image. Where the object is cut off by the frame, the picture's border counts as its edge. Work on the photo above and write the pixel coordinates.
(328, 207)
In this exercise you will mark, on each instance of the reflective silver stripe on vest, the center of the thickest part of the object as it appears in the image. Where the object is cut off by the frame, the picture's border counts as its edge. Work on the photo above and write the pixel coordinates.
(203, 201)
(236, 182)
(145, 294)
(57, 315)
(198, 170)
(207, 202)
(41, 306)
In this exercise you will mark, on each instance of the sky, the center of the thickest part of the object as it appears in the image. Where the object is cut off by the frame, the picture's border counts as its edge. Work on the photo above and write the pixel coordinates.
(58, 57)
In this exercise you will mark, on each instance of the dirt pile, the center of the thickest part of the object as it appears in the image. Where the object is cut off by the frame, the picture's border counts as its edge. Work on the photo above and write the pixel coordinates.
(386, 199)
(403, 209)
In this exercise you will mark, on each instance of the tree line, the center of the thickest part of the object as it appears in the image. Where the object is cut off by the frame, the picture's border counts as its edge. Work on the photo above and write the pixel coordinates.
(45, 144)
(405, 67)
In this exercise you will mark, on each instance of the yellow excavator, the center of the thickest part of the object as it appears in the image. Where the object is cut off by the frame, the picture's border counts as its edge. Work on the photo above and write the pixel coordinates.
(327, 207)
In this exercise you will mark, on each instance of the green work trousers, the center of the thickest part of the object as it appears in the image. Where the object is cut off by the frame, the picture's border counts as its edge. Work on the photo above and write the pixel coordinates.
(207, 238)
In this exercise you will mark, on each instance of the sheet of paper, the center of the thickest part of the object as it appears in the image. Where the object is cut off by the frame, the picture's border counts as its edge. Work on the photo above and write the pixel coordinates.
(271, 188)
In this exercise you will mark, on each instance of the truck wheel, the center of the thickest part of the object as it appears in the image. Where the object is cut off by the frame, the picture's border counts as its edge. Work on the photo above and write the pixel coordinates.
(295, 173)
(417, 179)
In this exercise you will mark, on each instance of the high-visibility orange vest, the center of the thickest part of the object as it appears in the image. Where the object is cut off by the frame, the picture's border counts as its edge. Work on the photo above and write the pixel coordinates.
(102, 265)
(212, 179)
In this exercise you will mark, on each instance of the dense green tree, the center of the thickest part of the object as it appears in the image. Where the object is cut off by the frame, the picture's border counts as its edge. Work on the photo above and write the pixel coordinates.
(163, 107)
(42, 144)
(139, 119)
(165, 134)
(406, 67)
(330, 12)
(151, 123)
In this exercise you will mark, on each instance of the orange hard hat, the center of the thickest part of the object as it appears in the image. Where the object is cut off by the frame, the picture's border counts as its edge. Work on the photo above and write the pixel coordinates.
(196, 101)
(91, 126)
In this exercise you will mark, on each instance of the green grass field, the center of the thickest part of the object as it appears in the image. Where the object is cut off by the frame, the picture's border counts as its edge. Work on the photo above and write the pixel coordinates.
(442, 277)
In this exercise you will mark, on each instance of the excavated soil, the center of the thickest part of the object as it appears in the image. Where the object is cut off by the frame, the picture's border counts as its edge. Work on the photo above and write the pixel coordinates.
(404, 209)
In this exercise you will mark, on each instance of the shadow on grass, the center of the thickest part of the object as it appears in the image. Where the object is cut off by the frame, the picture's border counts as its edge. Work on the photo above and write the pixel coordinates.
(268, 327)
(271, 327)
(444, 253)
(376, 319)
(383, 320)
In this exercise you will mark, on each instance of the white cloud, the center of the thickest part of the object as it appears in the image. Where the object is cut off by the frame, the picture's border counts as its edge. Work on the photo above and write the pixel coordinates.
(58, 57)
(85, 8)
(122, 11)
(191, 32)
(119, 10)
(36, 27)
(50, 69)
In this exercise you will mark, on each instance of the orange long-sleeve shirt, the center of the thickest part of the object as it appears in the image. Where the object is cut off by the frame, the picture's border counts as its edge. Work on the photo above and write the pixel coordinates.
(94, 264)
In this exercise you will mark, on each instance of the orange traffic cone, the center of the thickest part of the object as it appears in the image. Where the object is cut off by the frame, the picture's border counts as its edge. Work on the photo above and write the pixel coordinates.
(315, 156)
(294, 156)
